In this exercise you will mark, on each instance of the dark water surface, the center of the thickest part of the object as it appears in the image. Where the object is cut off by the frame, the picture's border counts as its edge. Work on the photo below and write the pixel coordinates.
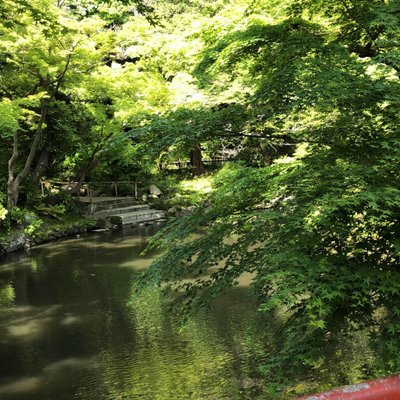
(68, 332)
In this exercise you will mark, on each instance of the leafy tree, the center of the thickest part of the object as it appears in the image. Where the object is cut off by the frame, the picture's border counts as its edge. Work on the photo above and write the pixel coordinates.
(319, 230)
(48, 59)
(307, 90)
(33, 72)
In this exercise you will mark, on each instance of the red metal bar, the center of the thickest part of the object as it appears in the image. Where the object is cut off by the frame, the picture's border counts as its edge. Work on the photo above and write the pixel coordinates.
(380, 389)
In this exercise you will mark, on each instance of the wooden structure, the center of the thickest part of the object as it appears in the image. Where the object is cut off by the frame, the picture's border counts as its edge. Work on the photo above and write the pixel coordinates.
(88, 188)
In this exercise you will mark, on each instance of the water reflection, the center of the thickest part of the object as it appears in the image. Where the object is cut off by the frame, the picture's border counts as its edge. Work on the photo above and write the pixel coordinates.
(69, 331)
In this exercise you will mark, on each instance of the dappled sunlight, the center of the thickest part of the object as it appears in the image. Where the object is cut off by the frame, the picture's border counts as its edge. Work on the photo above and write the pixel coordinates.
(23, 264)
(98, 251)
(200, 185)
(189, 358)
(7, 295)
(245, 279)
(71, 324)
(265, 131)
(53, 373)
(80, 244)
(29, 329)
(29, 323)
(68, 365)
(22, 386)
(70, 320)
(138, 264)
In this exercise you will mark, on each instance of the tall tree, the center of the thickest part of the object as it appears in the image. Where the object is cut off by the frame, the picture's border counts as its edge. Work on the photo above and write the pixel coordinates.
(319, 229)
(40, 60)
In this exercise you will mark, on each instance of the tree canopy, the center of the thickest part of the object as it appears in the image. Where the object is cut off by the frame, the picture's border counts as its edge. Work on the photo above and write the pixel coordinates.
(304, 93)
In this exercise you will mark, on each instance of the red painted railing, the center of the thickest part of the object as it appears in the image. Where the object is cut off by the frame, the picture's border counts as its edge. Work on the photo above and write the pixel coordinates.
(380, 389)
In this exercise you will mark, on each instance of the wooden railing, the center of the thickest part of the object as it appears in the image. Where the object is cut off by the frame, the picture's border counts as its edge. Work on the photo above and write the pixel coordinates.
(379, 389)
(89, 188)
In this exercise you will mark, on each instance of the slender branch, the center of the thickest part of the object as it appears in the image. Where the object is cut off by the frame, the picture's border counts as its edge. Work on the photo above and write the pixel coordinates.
(92, 162)
(13, 158)
(13, 183)
(271, 137)
(35, 143)
(354, 18)
(372, 35)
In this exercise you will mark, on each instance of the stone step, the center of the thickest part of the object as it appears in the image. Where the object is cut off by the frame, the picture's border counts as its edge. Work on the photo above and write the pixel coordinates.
(136, 217)
(111, 204)
(120, 210)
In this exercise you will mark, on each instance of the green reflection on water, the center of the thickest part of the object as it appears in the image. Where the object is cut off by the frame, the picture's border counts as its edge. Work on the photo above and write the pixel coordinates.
(207, 358)
(7, 295)
(71, 331)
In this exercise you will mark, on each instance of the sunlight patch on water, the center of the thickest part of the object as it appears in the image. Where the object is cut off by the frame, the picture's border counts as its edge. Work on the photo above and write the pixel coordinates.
(22, 386)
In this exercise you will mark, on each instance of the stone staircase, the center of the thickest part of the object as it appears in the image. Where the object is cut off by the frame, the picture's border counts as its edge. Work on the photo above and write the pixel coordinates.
(122, 211)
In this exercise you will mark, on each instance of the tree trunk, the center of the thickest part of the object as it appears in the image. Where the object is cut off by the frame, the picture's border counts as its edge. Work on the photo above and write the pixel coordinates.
(13, 184)
(92, 163)
(12, 191)
(82, 175)
(41, 165)
(196, 159)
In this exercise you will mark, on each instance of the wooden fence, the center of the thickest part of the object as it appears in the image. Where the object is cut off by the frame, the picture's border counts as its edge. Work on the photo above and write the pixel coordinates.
(92, 189)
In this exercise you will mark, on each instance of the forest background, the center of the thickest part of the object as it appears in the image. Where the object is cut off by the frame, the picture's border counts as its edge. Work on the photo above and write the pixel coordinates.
(303, 96)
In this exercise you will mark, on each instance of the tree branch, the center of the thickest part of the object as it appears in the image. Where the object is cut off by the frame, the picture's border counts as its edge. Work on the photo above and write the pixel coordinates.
(274, 137)
(11, 162)
(35, 143)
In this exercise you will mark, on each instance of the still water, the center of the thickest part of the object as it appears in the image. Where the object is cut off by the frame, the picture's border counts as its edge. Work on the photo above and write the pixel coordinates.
(69, 330)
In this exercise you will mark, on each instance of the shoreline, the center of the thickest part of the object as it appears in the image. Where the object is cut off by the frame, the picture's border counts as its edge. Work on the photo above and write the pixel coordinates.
(19, 240)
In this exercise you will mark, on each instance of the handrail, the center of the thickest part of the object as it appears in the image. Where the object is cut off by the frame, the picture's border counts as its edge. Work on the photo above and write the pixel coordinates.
(88, 185)
(379, 389)
(69, 182)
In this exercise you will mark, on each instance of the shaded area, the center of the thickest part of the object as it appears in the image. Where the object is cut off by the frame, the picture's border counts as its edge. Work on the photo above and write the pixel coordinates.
(67, 330)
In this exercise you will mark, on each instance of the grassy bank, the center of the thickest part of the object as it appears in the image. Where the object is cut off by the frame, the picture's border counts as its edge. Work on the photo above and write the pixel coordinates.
(24, 228)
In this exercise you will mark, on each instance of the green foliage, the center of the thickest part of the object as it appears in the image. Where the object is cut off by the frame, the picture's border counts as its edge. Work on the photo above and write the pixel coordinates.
(304, 93)
(320, 241)
(7, 295)
(319, 228)
(172, 135)
(8, 119)
(18, 219)
(180, 193)
(3, 212)
(57, 211)
(33, 227)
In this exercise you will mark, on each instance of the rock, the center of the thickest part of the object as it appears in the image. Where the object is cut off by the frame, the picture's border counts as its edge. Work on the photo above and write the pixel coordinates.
(3, 252)
(19, 242)
(148, 223)
(154, 190)
(116, 220)
(102, 223)
(30, 218)
(187, 211)
(172, 210)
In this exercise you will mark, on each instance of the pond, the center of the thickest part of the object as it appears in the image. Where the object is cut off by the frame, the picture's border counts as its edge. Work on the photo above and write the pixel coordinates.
(69, 330)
